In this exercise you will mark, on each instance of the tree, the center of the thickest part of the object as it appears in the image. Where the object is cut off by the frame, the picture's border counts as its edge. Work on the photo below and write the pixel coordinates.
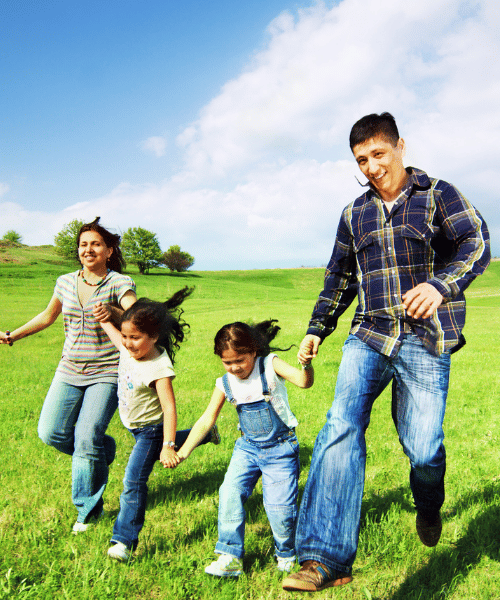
(141, 247)
(12, 237)
(65, 240)
(176, 260)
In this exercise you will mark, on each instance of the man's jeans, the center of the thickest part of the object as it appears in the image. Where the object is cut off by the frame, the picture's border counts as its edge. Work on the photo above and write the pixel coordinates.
(74, 420)
(328, 524)
(146, 451)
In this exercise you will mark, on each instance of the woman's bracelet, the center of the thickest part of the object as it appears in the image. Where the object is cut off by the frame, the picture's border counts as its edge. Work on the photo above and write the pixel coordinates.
(9, 341)
(170, 445)
(307, 367)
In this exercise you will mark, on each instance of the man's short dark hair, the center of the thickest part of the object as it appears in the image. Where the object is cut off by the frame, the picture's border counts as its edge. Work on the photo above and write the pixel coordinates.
(372, 126)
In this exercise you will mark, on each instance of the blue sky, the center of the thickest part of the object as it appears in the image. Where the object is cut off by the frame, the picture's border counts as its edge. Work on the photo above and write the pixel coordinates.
(222, 126)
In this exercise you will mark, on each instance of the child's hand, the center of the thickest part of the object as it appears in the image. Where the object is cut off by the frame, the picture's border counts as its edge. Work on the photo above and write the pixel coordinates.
(169, 458)
(308, 348)
(102, 312)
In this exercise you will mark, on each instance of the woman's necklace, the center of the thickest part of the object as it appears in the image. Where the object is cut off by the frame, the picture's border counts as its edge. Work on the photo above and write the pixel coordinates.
(94, 284)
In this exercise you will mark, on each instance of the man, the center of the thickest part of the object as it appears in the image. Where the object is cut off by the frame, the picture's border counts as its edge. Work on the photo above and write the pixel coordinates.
(407, 248)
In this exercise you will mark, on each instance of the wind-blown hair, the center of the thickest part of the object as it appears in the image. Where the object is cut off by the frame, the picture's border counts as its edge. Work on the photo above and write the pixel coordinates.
(244, 338)
(372, 126)
(162, 319)
(116, 261)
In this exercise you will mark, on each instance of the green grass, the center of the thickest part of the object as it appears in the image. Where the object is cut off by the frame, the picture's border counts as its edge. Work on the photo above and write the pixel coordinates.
(42, 559)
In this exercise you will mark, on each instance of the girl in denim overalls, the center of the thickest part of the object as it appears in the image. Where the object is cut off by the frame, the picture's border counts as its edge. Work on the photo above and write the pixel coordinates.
(254, 384)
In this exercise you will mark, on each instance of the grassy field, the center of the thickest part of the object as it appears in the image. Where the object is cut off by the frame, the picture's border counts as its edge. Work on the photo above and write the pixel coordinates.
(41, 559)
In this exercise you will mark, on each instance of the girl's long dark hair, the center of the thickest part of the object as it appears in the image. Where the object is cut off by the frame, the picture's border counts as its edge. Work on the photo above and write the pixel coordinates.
(162, 319)
(116, 261)
(244, 338)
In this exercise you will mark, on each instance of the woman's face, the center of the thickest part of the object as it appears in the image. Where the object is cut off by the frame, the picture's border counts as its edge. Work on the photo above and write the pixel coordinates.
(92, 251)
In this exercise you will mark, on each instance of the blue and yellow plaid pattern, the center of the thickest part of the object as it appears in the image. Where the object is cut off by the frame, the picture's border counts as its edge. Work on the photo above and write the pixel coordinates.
(432, 234)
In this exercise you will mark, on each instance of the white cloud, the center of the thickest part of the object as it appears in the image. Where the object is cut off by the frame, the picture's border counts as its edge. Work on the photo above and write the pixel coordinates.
(4, 188)
(267, 164)
(155, 144)
(318, 74)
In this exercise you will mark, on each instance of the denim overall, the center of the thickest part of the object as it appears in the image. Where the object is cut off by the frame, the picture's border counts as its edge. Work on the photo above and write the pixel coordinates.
(267, 447)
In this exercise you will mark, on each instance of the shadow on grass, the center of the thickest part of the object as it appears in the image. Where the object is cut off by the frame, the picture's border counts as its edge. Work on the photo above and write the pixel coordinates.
(447, 567)
(202, 484)
(376, 506)
(305, 454)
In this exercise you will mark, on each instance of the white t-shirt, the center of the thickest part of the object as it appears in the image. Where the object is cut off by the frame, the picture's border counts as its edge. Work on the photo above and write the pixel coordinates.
(138, 402)
(249, 390)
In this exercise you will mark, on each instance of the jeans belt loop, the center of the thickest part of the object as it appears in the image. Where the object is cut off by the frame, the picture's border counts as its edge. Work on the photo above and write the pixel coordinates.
(407, 328)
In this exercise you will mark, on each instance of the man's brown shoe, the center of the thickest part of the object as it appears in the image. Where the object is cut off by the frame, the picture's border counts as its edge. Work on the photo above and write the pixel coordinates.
(314, 577)
(429, 530)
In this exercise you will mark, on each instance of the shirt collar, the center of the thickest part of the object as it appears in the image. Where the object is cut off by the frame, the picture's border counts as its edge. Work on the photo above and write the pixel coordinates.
(417, 178)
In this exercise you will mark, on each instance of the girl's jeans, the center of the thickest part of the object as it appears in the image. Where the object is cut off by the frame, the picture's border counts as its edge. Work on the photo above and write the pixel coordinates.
(328, 523)
(277, 459)
(146, 451)
(74, 420)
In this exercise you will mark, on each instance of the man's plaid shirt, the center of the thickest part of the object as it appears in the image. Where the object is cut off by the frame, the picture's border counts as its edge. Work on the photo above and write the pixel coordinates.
(432, 234)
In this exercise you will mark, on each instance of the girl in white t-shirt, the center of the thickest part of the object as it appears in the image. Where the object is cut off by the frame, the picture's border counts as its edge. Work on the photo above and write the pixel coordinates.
(254, 384)
(150, 335)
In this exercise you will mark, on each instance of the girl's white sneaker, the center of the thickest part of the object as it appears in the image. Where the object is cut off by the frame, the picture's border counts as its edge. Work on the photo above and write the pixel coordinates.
(119, 552)
(225, 566)
(285, 564)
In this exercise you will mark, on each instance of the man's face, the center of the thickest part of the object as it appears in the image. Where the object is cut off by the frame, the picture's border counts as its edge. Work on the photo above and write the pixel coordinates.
(382, 164)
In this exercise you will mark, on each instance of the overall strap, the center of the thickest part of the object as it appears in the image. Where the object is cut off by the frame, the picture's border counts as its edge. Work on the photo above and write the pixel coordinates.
(265, 387)
(227, 389)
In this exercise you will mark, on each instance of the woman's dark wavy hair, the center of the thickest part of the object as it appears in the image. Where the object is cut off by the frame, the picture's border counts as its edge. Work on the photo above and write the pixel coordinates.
(244, 338)
(112, 240)
(162, 319)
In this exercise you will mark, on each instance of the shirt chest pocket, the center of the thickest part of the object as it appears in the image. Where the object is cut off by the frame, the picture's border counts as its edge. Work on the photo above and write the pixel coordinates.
(368, 253)
(414, 246)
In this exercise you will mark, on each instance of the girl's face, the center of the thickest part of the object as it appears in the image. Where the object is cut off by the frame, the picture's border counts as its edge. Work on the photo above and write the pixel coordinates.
(92, 251)
(240, 365)
(139, 344)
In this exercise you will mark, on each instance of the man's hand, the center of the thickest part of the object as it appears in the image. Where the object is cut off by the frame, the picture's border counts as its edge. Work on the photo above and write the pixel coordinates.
(422, 301)
(308, 348)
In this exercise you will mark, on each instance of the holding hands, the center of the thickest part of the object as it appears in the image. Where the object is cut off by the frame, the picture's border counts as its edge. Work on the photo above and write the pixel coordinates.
(102, 312)
(308, 349)
(169, 457)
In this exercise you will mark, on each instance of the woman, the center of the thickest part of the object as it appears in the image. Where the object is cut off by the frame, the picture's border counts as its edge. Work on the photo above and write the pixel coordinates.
(83, 395)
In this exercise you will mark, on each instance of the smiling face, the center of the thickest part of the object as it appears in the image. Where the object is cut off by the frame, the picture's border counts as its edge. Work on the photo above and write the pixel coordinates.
(93, 252)
(382, 164)
(139, 345)
(239, 365)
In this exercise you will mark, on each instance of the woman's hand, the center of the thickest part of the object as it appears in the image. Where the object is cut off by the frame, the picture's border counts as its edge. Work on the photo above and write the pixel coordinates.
(5, 338)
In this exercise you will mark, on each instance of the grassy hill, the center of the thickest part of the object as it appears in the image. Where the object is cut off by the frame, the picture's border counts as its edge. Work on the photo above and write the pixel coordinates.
(41, 559)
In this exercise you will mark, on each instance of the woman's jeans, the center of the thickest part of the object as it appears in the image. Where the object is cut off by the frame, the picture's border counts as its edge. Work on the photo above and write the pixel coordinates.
(277, 460)
(74, 420)
(146, 451)
(328, 523)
